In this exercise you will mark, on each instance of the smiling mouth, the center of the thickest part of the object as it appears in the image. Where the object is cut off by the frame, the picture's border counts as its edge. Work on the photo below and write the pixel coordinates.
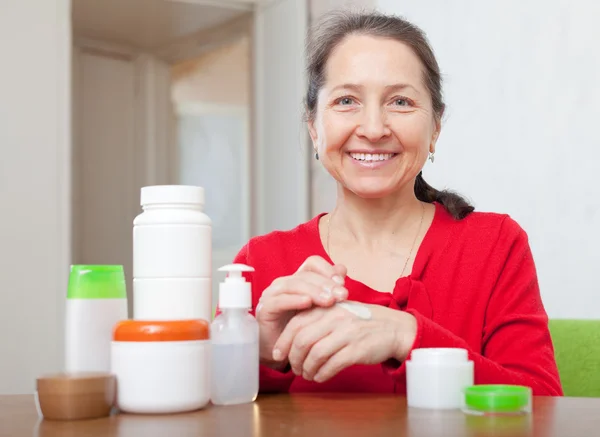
(372, 157)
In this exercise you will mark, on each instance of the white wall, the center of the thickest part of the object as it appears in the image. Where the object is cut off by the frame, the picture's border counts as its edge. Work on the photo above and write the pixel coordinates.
(521, 130)
(104, 144)
(280, 138)
(34, 188)
(319, 7)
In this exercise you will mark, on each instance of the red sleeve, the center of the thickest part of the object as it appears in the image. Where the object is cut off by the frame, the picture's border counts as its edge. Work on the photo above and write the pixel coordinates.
(517, 347)
(270, 380)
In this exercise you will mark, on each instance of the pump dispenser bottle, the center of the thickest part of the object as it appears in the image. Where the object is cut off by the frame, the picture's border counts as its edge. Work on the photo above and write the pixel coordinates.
(234, 341)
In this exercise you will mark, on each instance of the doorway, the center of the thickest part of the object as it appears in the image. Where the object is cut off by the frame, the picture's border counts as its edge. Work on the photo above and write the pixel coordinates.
(161, 95)
(211, 98)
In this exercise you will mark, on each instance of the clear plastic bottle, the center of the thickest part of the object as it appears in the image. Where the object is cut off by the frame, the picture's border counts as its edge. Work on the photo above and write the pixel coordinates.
(234, 341)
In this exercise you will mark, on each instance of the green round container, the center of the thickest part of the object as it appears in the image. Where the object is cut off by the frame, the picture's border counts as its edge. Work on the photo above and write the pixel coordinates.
(497, 398)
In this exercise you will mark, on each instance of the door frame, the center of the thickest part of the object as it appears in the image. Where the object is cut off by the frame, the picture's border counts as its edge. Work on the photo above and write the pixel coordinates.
(267, 193)
(159, 165)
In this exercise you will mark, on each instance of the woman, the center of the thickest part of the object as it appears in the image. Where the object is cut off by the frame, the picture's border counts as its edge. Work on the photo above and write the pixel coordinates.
(422, 268)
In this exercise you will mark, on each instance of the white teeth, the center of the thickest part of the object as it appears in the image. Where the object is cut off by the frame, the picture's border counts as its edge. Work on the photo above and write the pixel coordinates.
(371, 156)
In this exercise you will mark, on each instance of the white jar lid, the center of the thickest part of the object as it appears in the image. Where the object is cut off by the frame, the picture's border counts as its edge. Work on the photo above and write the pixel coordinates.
(162, 194)
(439, 355)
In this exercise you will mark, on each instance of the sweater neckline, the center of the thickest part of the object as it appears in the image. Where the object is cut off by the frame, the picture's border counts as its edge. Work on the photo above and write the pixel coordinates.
(421, 258)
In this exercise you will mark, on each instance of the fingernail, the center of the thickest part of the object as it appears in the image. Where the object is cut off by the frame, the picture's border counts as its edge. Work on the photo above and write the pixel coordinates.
(340, 293)
(338, 279)
(325, 295)
(277, 356)
(306, 376)
(317, 378)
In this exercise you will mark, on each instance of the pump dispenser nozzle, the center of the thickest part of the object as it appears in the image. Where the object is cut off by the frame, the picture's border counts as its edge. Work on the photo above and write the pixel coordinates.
(235, 292)
(235, 271)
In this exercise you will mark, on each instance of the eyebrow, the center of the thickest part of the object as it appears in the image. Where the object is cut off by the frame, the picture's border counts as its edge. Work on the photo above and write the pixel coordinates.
(393, 87)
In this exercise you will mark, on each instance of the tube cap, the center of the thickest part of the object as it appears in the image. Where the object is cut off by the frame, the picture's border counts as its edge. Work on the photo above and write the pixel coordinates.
(497, 398)
(235, 292)
(96, 282)
(182, 194)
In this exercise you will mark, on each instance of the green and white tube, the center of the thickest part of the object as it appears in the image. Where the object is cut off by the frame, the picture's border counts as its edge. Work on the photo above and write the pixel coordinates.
(96, 301)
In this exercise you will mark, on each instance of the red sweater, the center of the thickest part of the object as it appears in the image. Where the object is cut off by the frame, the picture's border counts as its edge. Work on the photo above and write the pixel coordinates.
(473, 286)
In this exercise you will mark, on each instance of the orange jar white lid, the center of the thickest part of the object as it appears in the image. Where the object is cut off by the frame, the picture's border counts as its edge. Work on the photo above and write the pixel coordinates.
(167, 331)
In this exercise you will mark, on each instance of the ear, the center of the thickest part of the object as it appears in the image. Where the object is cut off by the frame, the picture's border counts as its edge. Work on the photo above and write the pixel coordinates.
(313, 133)
(436, 134)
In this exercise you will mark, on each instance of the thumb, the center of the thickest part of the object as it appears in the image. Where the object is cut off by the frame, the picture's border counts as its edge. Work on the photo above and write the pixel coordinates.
(340, 270)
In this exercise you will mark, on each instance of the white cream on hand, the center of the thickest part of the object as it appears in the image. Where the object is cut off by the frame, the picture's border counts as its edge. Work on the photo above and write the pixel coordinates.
(356, 308)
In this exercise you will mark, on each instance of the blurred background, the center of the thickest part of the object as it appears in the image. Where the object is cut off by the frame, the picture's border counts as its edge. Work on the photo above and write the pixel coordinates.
(101, 97)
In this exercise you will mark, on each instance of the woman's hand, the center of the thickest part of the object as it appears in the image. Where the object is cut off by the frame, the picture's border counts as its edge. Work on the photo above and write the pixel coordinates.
(321, 342)
(315, 283)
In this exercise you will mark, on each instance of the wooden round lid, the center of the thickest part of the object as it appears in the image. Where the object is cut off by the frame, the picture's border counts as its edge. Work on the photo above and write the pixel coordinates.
(81, 382)
(74, 396)
(172, 330)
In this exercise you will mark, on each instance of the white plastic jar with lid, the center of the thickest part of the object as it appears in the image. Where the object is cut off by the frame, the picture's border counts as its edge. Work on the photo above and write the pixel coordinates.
(437, 377)
(172, 255)
(161, 366)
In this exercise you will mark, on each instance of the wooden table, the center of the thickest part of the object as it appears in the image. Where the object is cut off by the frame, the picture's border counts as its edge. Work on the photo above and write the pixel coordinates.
(313, 416)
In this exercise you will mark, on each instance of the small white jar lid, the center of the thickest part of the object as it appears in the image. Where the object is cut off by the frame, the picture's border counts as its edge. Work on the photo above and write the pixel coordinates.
(439, 355)
(162, 194)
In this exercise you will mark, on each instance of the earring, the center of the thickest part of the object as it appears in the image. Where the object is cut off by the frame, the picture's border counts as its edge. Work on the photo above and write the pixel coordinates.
(317, 156)
(431, 157)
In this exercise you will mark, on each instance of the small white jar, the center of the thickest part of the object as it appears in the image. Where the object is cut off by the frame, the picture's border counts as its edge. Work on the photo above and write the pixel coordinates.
(161, 366)
(437, 377)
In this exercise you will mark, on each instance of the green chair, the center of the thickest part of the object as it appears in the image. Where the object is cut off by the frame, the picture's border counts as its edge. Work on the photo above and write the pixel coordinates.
(577, 351)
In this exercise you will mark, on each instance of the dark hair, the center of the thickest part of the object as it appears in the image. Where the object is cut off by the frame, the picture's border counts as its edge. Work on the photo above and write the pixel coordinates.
(337, 25)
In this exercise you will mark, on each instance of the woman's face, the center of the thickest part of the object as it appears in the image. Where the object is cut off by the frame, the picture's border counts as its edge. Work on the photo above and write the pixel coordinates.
(374, 125)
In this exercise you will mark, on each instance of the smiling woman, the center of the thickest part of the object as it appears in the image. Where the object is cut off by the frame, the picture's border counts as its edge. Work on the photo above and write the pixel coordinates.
(372, 133)
(407, 77)
(419, 266)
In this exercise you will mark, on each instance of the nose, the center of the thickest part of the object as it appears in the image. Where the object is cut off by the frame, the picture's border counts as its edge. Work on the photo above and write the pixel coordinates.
(373, 125)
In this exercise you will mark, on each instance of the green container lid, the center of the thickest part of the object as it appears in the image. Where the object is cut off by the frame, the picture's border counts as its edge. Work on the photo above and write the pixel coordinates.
(97, 282)
(498, 398)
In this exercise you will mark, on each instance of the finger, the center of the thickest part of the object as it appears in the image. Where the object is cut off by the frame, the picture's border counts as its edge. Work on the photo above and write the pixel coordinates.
(275, 305)
(341, 360)
(322, 351)
(329, 286)
(323, 291)
(319, 265)
(341, 270)
(315, 288)
(284, 342)
(305, 340)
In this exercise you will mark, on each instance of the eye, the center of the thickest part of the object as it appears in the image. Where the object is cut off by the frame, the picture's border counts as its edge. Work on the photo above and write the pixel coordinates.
(402, 104)
(345, 101)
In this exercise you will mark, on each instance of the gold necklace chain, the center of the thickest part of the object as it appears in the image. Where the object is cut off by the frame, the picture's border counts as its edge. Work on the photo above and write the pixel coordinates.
(411, 248)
